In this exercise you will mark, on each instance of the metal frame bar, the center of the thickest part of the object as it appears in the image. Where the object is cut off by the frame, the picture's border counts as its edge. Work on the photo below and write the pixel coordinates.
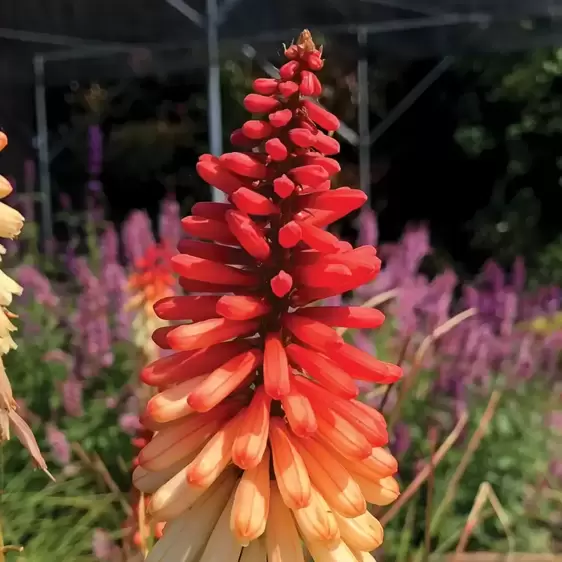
(363, 114)
(42, 141)
(86, 50)
(397, 4)
(214, 107)
(217, 15)
(211, 21)
(225, 8)
(187, 11)
(410, 98)
(49, 39)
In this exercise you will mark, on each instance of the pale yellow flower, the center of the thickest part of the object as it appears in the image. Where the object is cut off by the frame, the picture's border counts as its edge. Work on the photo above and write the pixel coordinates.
(5, 187)
(11, 222)
(6, 328)
(8, 288)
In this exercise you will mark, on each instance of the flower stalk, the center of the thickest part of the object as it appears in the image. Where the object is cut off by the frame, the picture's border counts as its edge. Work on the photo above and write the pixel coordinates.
(262, 450)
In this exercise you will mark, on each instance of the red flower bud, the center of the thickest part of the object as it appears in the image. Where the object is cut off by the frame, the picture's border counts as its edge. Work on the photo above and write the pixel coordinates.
(301, 137)
(290, 235)
(325, 144)
(325, 275)
(256, 103)
(160, 335)
(281, 284)
(318, 239)
(275, 367)
(312, 333)
(214, 174)
(253, 203)
(208, 158)
(187, 337)
(289, 69)
(324, 186)
(287, 89)
(310, 85)
(276, 149)
(249, 235)
(194, 308)
(213, 252)
(238, 138)
(283, 186)
(244, 164)
(208, 229)
(309, 175)
(330, 376)
(307, 86)
(317, 86)
(255, 129)
(292, 52)
(240, 307)
(200, 269)
(329, 164)
(210, 209)
(308, 125)
(321, 116)
(265, 86)
(280, 118)
(348, 316)
(314, 62)
(334, 200)
(364, 366)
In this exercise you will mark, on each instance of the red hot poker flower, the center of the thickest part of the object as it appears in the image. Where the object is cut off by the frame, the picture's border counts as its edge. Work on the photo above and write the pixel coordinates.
(261, 444)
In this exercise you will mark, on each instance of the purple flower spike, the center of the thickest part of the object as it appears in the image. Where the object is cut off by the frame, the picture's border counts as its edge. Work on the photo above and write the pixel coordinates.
(72, 390)
(402, 439)
(36, 286)
(95, 153)
(368, 228)
(130, 423)
(169, 227)
(60, 447)
(137, 236)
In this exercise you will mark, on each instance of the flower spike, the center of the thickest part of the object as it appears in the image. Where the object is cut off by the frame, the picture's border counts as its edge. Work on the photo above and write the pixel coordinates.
(261, 445)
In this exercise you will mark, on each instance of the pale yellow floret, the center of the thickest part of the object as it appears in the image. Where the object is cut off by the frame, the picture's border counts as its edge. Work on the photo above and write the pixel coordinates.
(11, 222)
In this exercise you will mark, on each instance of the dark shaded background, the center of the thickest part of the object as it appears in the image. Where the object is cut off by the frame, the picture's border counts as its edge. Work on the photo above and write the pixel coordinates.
(476, 156)
(484, 193)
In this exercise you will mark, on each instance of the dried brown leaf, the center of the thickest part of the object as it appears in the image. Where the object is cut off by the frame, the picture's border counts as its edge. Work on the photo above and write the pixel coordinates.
(27, 439)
